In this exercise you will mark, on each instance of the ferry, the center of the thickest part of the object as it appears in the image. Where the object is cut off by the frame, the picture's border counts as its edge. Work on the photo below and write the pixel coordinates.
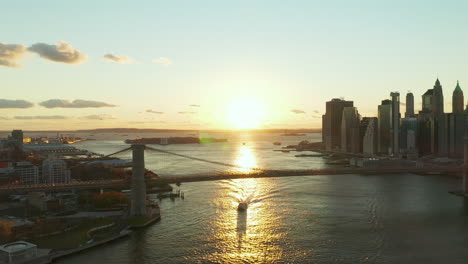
(242, 206)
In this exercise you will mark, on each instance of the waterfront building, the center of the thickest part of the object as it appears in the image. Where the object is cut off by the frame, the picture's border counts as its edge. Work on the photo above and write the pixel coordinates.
(409, 105)
(17, 252)
(55, 171)
(457, 100)
(384, 126)
(409, 131)
(27, 172)
(350, 130)
(455, 134)
(369, 141)
(395, 124)
(427, 101)
(438, 99)
(331, 123)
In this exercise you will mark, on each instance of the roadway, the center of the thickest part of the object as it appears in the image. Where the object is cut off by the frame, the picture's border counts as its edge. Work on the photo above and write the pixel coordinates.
(122, 184)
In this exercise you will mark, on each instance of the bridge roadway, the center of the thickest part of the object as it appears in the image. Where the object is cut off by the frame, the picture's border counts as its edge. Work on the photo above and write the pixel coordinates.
(122, 184)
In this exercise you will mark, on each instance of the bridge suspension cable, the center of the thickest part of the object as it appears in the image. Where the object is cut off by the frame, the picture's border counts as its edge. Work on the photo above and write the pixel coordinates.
(202, 160)
(115, 153)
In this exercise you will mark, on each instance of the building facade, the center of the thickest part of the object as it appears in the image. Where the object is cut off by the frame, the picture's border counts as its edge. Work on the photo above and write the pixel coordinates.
(55, 171)
(331, 123)
(350, 130)
(384, 126)
(409, 105)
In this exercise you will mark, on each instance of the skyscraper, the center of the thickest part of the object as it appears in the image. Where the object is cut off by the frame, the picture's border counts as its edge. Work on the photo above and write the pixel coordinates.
(395, 122)
(427, 99)
(369, 141)
(438, 99)
(384, 126)
(331, 123)
(457, 100)
(409, 105)
(350, 130)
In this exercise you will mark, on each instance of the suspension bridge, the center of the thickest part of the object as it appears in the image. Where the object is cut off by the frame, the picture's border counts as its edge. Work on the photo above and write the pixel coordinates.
(139, 185)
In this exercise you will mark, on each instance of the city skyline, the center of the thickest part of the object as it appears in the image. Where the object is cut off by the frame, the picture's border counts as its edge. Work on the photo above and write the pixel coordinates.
(178, 69)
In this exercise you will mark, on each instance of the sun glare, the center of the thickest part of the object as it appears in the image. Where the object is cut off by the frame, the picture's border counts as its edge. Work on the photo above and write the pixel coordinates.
(245, 113)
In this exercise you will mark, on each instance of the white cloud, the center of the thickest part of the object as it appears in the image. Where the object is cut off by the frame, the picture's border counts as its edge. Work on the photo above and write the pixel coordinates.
(122, 59)
(163, 60)
(40, 117)
(62, 52)
(98, 117)
(58, 103)
(10, 54)
(5, 103)
(153, 111)
(297, 111)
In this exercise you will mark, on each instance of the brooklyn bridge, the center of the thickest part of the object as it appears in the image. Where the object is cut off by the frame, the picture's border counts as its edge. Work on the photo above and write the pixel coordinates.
(139, 184)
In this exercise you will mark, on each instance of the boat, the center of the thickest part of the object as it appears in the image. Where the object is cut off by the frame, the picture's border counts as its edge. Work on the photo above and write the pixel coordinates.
(277, 143)
(242, 206)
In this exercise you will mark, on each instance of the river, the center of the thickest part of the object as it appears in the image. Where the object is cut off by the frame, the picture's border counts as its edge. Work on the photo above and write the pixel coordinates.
(401, 218)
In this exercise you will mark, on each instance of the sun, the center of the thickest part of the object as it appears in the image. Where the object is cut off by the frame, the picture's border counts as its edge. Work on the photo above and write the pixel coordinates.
(245, 113)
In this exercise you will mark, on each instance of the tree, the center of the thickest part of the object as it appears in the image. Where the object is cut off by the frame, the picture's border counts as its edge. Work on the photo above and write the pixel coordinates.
(110, 199)
(5, 230)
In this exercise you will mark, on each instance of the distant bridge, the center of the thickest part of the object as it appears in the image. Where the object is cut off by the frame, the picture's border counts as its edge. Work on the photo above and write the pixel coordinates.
(124, 184)
(139, 184)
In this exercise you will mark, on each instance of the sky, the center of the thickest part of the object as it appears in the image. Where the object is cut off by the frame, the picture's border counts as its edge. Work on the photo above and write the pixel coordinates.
(220, 64)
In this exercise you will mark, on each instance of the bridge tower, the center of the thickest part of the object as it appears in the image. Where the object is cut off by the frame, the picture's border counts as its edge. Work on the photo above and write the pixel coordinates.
(138, 203)
(465, 165)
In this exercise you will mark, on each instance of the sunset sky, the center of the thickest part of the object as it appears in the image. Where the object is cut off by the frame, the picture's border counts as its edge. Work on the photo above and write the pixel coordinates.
(220, 64)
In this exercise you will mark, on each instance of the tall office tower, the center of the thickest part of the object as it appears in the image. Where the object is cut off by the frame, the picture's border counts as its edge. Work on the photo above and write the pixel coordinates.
(331, 123)
(17, 135)
(384, 126)
(457, 100)
(409, 105)
(369, 141)
(438, 99)
(350, 130)
(395, 122)
(427, 99)
(408, 132)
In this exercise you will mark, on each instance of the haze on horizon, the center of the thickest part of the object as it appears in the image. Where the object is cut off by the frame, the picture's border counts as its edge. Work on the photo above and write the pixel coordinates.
(220, 64)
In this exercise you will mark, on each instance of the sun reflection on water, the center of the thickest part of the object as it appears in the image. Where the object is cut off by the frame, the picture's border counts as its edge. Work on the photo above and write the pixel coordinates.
(245, 159)
(251, 236)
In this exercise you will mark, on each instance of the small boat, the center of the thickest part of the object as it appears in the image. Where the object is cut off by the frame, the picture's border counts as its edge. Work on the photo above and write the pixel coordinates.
(277, 143)
(242, 206)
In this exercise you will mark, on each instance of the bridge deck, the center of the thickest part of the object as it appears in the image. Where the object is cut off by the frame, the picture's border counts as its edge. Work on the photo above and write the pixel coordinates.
(83, 185)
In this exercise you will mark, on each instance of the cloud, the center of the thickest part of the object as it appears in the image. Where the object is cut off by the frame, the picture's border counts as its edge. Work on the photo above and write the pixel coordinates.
(122, 59)
(62, 52)
(58, 103)
(316, 111)
(297, 111)
(314, 116)
(10, 54)
(98, 117)
(186, 112)
(4, 118)
(5, 103)
(194, 105)
(40, 117)
(153, 111)
(402, 104)
(163, 60)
